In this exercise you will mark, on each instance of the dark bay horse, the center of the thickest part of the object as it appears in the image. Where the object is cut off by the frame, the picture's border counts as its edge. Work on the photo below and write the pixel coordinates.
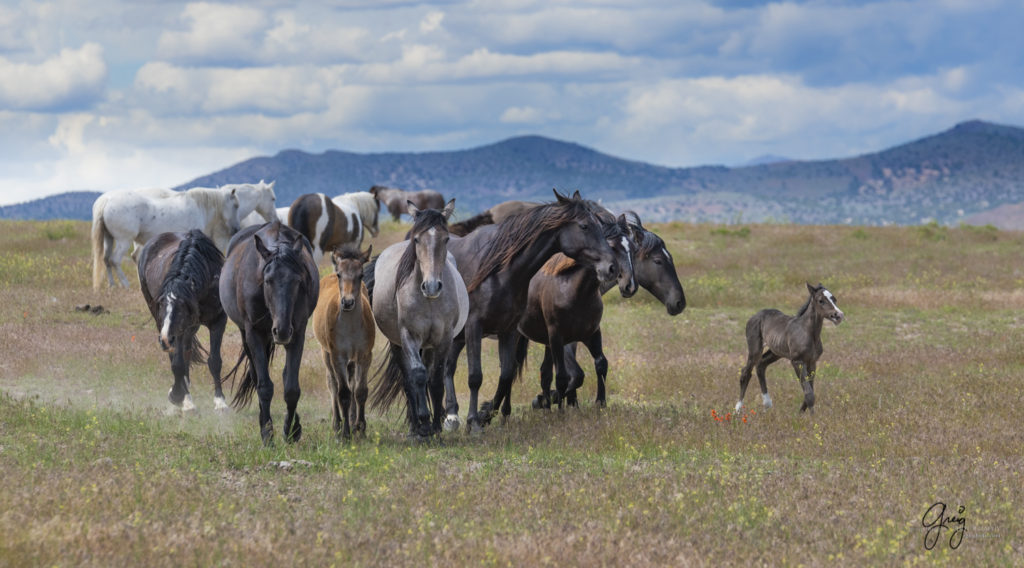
(395, 200)
(178, 275)
(420, 304)
(327, 224)
(655, 272)
(491, 216)
(772, 335)
(564, 304)
(269, 288)
(343, 324)
(497, 262)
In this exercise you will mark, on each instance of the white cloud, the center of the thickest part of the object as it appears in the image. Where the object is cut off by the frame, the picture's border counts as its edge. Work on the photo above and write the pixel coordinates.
(527, 115)
(214, 32)
(72, 79)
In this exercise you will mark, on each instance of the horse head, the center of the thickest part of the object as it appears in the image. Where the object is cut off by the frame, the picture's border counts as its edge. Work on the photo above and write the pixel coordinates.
(348, 268)
(179, 313)
(582, 238)
(655, 269)
(429, 235)
(229, 212)
(265, 200)
(825, 305)
(283, 276)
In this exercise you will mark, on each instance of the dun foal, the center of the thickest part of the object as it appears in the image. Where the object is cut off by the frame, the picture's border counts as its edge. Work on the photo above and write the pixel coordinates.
(772, 335)
(343, 324)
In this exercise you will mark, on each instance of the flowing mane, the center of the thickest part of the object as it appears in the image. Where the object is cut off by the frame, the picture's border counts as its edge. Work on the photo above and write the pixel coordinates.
(196, 264)
(520, 232)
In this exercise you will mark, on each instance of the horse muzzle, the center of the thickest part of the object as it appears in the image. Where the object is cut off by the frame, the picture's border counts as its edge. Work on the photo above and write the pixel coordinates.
(166, 344)
(348, 304)
(431, 288)
(607, 272)
(282, 336)
(837, 318)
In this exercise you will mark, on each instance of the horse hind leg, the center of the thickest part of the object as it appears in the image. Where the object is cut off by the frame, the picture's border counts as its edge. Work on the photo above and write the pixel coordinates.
(113, 258)
(767, 359)
(543, 400)
(214, 362)
(755, 345)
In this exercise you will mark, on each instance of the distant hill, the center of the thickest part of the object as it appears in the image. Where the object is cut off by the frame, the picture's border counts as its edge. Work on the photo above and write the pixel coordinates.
(70, 205)
(949, 177)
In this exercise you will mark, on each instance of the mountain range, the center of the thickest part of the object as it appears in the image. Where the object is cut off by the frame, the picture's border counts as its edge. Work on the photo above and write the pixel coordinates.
(970, 173)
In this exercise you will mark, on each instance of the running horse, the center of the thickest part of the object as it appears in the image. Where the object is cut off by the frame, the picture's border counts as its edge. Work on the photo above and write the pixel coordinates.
(498, 262)
(420, 304)
(343, 324)
(179, 275)
(269, 287)
(395, 200)
(772, 335)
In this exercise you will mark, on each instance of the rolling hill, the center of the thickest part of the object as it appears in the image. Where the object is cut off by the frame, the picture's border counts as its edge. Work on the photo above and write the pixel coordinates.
(968, 172)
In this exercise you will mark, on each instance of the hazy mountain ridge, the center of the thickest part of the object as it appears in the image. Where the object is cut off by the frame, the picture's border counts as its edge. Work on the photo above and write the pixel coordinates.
(952, 176)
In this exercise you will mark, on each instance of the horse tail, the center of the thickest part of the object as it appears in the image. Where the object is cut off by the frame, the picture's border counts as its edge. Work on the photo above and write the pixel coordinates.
(243, 394)
(390, 380)
(464, 228)
(98, 236)
(519, 363)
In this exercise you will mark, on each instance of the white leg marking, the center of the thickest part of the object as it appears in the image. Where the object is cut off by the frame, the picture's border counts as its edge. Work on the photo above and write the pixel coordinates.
(451, 423)
(219, 403)
(187, 405)
(739, 406)
(767, 399)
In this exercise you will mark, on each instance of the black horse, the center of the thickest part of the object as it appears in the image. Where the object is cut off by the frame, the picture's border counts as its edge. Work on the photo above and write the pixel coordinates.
(269, 288)
(772, 335)
(497, 262)
(178, 275)
(568, 303)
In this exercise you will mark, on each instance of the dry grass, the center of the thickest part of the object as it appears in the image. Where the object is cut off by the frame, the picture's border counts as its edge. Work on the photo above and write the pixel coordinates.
(919, 400)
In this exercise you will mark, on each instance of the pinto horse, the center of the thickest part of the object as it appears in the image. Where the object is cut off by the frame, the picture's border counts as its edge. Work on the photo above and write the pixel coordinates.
(420, 304)
(498, 262)
(772, 335)
(179, 275)
(327, 223)
(343, 324)
(269, 287)
(395, 199)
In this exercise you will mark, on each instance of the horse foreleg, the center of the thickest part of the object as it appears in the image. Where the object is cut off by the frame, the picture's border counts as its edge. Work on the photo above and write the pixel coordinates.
(292, 390)
(258, 349)
(360, 370)
(800, 367)
(805, 372)
(596, 347)
(333, 386)
(346, 406)
(475, 376)
(561, 374)
(507, 359)
(451, 421)
(435, 363)
(214, 361)
(546, 375)
(179, 394)
(415, 385)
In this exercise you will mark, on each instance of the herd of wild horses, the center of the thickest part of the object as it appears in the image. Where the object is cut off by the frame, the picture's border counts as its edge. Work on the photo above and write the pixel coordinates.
(518, 272)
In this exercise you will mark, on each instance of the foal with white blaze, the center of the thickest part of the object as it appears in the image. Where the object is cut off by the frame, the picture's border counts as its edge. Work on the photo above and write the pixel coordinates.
(772, 335)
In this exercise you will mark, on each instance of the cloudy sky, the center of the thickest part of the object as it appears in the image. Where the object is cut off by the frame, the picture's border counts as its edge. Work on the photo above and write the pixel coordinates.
(112, 94)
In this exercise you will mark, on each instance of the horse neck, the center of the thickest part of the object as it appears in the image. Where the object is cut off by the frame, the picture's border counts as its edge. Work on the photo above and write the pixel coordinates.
(809, 319)
(529, 261)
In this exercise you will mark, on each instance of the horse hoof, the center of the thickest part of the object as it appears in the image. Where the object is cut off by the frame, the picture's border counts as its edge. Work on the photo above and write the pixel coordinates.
(538, 403)
(296, 432)
(601, 403)
(767, 400)
(739, 406)
(187, 406)
(473, 426)
(220, 405)
(451, 423)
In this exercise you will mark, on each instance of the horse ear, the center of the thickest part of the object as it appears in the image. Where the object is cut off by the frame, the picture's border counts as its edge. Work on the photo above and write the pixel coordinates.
(576, 195)
(449, 209)
(810, 288)
(366, 255)
(261, 248)
(412, 209)
(561, 198)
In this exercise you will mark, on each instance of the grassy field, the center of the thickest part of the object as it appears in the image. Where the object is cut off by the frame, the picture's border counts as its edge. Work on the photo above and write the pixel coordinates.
(920, 400)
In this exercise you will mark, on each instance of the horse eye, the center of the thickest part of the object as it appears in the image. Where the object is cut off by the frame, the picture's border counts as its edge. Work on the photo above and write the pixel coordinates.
(584, 226)
(658, 261)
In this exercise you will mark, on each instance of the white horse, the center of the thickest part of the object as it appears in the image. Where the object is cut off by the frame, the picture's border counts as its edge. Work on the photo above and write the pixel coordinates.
(126, 216)
(255, 201)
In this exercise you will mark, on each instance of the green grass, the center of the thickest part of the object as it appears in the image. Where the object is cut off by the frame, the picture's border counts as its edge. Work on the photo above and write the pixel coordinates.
(919, 400)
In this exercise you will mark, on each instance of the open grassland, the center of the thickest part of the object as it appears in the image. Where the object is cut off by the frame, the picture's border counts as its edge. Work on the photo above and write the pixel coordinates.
(920, 400)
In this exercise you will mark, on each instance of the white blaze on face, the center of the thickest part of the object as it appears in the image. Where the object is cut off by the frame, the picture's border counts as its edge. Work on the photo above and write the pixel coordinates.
(165, 330)
(832, 300)
(629, 255)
